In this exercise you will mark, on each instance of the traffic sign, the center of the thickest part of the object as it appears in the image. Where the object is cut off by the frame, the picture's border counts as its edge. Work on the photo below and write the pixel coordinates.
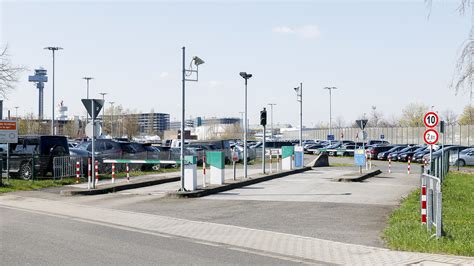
(362, 123)
(330, 137)
(97, 106)
(363, 135)
(359, 157)
(382, 136)
(431, 136)
(431, 119)
(8, 131)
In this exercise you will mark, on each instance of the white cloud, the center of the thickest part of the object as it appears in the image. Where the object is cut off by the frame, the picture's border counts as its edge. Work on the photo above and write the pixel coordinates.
(306, 31)
(164, 74)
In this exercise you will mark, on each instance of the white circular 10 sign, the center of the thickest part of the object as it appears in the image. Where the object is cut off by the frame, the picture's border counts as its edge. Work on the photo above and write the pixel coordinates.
(431, 136)
(431, 119)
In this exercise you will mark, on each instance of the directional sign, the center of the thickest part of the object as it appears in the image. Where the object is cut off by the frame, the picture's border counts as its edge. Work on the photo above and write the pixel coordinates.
(362, 123)
(430, 136)
(382, 136)
(431, 119)
(359, 157)
(8, 131)
(330, 137)
(98, 103)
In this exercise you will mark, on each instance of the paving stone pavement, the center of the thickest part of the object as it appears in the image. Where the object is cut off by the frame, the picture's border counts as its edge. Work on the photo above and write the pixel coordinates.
(308, 249)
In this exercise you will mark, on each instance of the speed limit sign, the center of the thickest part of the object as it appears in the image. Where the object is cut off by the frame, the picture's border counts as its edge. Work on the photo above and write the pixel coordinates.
(431, 119)
(430, 136)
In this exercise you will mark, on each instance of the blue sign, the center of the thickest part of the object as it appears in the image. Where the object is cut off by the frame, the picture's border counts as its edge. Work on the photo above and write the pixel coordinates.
(359, 157)
(382, 136)
(330, 137)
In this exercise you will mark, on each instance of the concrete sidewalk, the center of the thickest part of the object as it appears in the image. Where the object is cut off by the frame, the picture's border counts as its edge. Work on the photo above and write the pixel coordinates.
(308, 249)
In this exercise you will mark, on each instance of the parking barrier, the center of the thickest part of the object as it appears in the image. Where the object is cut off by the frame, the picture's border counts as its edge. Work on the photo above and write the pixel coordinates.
(89, 172)
(78, 171)
(389, 165)
(127, 169)
(409, 165)
(204, 171)
(423, 201)
(113, 172)
(96, 168)
(431, 203)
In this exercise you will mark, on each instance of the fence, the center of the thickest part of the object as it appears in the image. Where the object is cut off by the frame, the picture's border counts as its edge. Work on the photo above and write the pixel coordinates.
(65, 166)
(454, 134)
(431, 203)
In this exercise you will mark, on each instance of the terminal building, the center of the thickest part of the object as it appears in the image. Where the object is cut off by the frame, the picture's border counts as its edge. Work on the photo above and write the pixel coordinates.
(153, 122)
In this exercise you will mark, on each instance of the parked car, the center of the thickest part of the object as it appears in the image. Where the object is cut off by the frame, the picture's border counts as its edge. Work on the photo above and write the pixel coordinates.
(384, 155)
(346, 150)
(403, 157)
(466, 158)
(373, 151)
(451, 151)
(43, 148)
(377, 142)
(311, 148)
(394, 155)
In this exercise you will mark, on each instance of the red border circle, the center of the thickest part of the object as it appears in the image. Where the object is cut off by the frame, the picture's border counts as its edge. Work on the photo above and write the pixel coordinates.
(437, 136)
(431, 113)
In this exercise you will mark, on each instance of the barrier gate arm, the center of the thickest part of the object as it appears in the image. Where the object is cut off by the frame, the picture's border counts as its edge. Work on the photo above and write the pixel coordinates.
(143, 161)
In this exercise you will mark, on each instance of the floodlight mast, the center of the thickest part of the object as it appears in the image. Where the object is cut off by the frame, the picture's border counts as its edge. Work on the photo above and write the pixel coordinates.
(197, 61)
(246, 76)
(53, 49)
(330, 106)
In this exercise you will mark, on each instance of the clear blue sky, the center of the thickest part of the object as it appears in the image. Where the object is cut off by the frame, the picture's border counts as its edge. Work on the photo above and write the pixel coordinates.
(382, 53)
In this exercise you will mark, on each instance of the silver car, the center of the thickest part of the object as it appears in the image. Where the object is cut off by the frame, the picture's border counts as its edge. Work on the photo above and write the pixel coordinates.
(466, 159)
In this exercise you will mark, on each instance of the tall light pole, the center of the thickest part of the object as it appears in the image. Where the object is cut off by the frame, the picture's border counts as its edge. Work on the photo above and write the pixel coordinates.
(186, 72)
(16, 112)
(246, 77)
(299, 98)
(87, 80)
(271, 118)
(103, 107)
(330, 107)
(242, 124)
(53, 49)
(112, 119)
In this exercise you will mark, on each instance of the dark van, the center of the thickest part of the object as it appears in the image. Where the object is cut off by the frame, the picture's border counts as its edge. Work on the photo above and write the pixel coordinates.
(43, 148)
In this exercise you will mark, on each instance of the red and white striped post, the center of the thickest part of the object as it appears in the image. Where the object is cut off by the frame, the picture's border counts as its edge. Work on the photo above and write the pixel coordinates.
(409, 165)
(78, 172)
(127, 169)
(423, 201)
(113, 172)
(389, 165)
(89, 173)
(96, 168)
(204, 171)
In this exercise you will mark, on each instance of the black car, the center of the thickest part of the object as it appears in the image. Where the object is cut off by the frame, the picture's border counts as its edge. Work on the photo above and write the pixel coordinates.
(42, 148)
(384, 155)
(374, 151)
(403, 157)
(394, 155)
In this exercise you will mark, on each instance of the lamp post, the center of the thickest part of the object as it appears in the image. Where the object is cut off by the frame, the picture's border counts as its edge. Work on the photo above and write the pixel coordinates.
(53, 49)
(330, 107)
(87, 80)
(16, 112)
(103, 107)
(271, 118)
(246, 76)
(299, 98)
(186, 72)
(112, 119)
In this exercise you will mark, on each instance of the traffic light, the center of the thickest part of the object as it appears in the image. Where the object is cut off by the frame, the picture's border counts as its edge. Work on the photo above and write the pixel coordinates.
(263, 117)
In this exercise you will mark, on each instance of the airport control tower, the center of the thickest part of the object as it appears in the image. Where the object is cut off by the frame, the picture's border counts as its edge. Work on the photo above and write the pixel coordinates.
(39, 78)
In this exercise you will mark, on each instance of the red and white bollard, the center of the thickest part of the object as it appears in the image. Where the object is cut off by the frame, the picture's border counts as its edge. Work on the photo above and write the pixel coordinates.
(204, 171)
(389, 165)
(78, 172)
(423, 203)
(89, 172)
(127, 169)
(96, 168)
(409, 165)
(113, 172)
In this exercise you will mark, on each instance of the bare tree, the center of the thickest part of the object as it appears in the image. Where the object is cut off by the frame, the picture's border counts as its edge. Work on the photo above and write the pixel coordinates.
(8, 73)
(340, 122)
(130, 124)
(467, 116)
(412, 115)
(449, 117)
(375, 117)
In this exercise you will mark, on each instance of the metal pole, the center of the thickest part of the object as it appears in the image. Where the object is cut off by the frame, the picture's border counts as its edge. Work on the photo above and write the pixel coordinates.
(183, 121)
(330, 111)
(301, 114)
(263, 149)
(52, 118)
(93, 146)
(245, 132)
(271, 118)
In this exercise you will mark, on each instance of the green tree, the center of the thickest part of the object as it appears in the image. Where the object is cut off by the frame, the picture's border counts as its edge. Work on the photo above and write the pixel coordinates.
(412, 115)
(467, 116)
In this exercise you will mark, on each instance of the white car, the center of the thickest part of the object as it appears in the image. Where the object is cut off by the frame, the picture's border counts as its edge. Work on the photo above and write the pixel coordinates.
(465, 159)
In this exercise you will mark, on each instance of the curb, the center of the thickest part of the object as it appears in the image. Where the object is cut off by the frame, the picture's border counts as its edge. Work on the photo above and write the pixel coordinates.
(114, 188)
(213, 190)
(359, 178)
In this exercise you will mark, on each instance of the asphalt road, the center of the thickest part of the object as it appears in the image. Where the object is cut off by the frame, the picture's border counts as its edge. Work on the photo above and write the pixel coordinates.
(34, 239)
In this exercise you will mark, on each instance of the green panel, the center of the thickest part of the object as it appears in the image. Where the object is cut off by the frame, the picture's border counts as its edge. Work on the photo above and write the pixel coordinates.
(190, 159)
(215, 158)
(287, 151)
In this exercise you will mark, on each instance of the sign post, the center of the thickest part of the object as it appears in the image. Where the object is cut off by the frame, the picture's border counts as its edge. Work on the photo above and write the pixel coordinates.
(431, 136)
(8, 134)
(93, 107)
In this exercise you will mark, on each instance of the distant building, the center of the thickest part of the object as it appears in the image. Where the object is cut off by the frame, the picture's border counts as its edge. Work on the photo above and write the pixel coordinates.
(153, 122)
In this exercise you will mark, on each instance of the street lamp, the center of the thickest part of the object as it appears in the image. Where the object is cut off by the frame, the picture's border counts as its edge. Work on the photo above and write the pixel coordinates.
(87, 80)
(299, 98)
(330, 107)
(271, 118)
(246, 77)
(112, 119)
(103, 106)
(53, 49)
(16, 112)
(186, 73)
